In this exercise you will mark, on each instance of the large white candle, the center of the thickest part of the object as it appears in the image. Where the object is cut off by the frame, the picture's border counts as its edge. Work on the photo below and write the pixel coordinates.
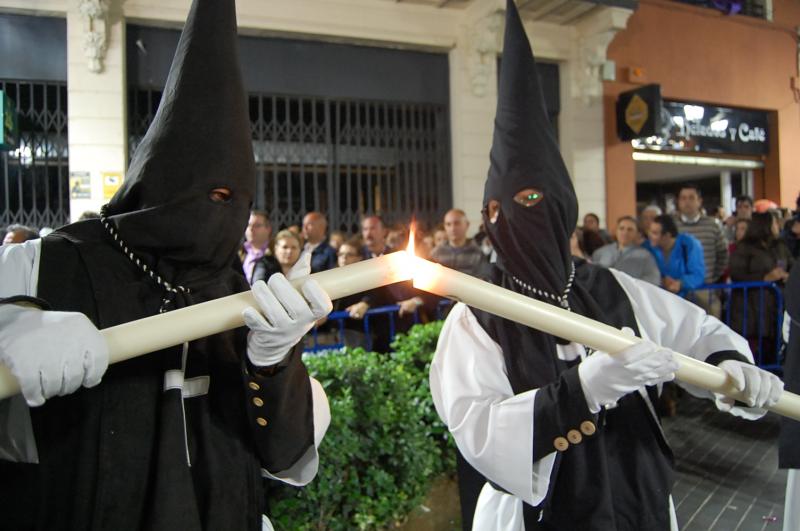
(161, 331)
(452, 284)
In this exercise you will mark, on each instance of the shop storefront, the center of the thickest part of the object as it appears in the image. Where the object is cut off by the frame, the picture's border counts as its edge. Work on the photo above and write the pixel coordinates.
(720, 149)
(729, 118)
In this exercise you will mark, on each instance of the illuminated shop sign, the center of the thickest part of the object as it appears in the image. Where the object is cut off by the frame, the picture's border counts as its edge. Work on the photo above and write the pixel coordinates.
(652, 123)
(638, 112)
(707, 129)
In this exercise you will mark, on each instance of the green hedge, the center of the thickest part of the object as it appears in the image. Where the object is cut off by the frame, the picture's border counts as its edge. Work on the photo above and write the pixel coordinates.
(385, 443)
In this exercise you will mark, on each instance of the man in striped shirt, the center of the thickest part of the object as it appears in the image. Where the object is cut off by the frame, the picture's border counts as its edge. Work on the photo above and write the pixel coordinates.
(690, 220)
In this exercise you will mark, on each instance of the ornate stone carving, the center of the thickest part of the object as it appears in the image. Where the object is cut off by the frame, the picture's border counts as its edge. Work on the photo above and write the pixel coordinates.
(594, 35)
(592, 49)
(484, 40)
(94, 13)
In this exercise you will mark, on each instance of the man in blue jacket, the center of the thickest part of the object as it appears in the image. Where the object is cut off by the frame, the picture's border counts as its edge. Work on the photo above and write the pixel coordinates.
(679, 256)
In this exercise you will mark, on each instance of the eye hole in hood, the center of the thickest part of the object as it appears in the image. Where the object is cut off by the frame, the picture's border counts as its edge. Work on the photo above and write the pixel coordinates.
(220, 195)
(528, 197)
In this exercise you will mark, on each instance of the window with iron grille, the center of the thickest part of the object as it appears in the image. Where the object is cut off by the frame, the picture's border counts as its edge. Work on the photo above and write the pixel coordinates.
(34, 177)
(342, 157)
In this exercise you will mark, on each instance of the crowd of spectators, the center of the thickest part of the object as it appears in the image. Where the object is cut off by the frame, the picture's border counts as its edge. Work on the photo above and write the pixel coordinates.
(689, 249)
(263, 255)
(679, 250)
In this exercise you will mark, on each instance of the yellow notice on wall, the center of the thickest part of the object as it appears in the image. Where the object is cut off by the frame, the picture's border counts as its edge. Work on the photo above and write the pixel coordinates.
(80, 185)
(112, 180)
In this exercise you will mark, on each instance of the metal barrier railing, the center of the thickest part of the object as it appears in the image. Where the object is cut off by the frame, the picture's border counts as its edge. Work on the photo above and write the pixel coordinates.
(392, 313)
(734, 296)
(766, 347)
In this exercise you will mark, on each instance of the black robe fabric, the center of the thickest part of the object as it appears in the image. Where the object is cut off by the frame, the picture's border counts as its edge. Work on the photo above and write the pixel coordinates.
(115, 456)
(788, 449)
(620, 477)
(174, 439)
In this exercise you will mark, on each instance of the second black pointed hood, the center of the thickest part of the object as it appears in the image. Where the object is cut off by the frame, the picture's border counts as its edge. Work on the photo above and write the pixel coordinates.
(532, 242)
(199, 140)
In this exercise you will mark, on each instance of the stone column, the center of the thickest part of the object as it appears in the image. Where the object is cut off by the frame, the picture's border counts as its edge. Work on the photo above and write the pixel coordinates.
(473, 101)
(96, 84)
(582, 122)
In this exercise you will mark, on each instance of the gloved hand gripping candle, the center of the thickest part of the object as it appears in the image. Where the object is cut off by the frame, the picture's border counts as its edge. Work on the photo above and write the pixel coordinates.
(157, 332)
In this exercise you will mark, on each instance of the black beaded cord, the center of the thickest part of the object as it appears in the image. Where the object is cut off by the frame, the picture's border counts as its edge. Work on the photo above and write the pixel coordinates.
(169, 288)
(562, 301)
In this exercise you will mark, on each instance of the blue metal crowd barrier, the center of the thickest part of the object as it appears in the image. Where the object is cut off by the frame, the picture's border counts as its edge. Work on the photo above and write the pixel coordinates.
(443, 308)
(767, 356)
(392, 312)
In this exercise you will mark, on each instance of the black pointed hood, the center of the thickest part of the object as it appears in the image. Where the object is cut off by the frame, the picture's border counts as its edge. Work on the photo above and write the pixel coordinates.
(199, 140)
(532, 242)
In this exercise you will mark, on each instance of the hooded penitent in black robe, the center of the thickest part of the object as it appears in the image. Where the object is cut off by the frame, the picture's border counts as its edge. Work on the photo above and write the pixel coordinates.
(618, 475)
(789, 451)
(174, 439)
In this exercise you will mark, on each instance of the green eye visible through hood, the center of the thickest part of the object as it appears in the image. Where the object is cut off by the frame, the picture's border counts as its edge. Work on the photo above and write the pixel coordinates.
(528, 197)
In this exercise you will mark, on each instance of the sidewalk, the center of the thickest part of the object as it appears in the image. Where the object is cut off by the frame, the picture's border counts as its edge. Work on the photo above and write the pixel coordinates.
(727, 475)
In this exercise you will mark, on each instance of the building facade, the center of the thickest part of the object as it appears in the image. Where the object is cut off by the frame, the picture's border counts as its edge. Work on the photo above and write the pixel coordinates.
(732, 104)
(108, 95)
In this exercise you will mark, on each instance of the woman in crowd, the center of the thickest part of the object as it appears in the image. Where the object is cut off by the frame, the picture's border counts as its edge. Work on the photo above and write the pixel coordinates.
(590, 241)
(575, 246)
(439, 235)
(397, 238)
(356, 305)
(285, 251)
(424, 245)
(760, 256)
(739, 231)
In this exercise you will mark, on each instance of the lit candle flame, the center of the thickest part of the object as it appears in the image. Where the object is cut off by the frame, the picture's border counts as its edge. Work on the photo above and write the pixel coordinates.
(424, 273)
(410, 249)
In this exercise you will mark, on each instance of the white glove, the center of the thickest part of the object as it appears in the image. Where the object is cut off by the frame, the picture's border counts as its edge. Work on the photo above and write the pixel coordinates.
(606, 378)
(50, 353)
(301, 268)
(286, 317)
(761, 388)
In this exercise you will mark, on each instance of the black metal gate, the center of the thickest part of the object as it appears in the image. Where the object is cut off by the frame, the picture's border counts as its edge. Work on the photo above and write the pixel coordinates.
(34, 190)
(341, 157)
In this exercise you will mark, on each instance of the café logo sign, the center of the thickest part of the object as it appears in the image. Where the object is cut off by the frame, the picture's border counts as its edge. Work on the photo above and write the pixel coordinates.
(703, 128)
(718, 128)
(636, 114)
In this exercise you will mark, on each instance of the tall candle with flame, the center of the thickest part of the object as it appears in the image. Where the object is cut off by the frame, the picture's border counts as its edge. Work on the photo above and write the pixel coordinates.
(488, 297)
